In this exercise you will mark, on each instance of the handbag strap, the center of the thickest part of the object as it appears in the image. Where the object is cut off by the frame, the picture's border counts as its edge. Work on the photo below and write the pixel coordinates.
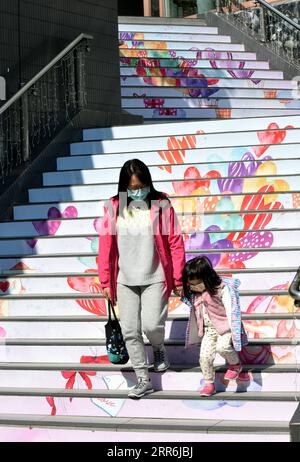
(111, 309)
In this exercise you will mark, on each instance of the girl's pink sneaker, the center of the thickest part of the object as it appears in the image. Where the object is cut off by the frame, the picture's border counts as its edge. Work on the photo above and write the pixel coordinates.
(233, 372)
(244, 376)
(208, 390)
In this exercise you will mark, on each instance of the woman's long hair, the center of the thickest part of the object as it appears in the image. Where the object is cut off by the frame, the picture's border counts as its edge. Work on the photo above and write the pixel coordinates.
(201, 268)
(138, 168)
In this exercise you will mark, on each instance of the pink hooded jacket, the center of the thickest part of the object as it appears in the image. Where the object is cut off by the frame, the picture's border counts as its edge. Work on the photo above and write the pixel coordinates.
(167, 237)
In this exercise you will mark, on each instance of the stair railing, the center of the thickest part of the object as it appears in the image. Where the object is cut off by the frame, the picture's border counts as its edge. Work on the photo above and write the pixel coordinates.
(266, 23)
(294, 289)
(42, 107)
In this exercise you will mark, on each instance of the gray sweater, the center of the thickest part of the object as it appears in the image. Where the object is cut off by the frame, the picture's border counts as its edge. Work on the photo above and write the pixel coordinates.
(139, 263)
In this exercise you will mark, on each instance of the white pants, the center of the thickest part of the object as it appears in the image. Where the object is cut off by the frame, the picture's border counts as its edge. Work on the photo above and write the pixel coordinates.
(142, 309)
(211, 344)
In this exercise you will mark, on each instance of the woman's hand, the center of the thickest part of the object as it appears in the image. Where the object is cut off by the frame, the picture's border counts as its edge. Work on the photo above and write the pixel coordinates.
(106, 293)
(178, 290)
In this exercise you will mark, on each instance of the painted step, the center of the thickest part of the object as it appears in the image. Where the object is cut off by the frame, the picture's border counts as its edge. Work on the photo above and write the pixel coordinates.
(251, 241)
(33, 284)
(169, 36)
(177, 29)
(94, 209)
(205, 113)
(179, 63)
(203, 140)
(87, 429)
(178, 44)
(78, 307)
(185, 381)
(175, 330)
(184, 128)
(182, 82)
(169, 92)
(68, 351)
(195, 103)
(208, 73)
(252, 167)
(209, 158)
(94, 191)
(196, 54)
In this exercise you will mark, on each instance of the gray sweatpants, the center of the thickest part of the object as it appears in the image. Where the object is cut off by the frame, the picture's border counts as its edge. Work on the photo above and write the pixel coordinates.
(142, 309)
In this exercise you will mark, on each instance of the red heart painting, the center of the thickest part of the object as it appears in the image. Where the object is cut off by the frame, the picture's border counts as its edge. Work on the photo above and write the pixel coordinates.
(273, 136)
(4, 286)
(187, 187)
(176, 150)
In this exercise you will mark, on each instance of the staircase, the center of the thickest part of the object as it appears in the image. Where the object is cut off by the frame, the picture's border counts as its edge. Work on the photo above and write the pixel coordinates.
(180, 71)
(238, 185)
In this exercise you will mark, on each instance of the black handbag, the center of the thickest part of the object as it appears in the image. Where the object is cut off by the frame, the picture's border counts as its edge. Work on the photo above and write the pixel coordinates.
(115, 345)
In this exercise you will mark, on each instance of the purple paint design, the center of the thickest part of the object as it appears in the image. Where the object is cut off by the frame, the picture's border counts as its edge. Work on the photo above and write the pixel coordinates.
(49, 228)
(239, 169)
(127, 35)
(32, 243)
(202, 241)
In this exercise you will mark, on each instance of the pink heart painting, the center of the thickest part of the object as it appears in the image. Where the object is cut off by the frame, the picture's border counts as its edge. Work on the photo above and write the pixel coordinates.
(273, 135)
(50, 228)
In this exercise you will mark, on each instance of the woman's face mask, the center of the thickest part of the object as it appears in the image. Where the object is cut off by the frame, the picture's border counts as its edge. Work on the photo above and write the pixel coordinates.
(138, 194)
(199, 287)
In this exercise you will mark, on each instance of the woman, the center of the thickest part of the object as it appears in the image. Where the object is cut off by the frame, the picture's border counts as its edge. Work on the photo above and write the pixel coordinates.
(141, 258)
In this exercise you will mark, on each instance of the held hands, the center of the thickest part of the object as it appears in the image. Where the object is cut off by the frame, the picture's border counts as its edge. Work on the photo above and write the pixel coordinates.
(106, 293)
(178, 290)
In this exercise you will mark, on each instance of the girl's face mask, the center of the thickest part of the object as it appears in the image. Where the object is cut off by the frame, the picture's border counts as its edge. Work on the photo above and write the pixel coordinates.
(139, 194)
(197, 287)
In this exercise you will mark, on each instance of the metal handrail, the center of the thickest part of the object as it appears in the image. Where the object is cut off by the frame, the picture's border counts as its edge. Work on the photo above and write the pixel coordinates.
(55, 60)
(294, 287)
(278, 13)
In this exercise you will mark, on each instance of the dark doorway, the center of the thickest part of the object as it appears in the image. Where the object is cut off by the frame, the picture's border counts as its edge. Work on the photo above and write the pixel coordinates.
(130, 8)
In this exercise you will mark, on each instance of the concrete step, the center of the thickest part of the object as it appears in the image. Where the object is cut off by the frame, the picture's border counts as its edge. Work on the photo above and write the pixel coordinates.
(104, 191)
(173, 36)
(184, 128)
(125, 22)
(146, 29)
(179, 44)
(159, 141)
(137, 429)
(203, 73)
(193, 54)
(252, 167)
(195, 64)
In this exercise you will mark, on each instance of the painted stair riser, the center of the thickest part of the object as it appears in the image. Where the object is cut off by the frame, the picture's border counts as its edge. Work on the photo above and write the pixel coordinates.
(10, 434)
(169, 129)
(182, 82)
(195, 64)
(171, 36)
(262, 354)
(194, 55)
(206, 73)
(155, 28)
(43, 307)
(175, 330)
(189, 381)
(64, 284)
(92, 192)
(210, 103)
(94, 209)
(204, 113)
(254, 167)
(174, 45)
(281, 96)
(216, 157)
(194, 409)
(203, 242)
(192, 141)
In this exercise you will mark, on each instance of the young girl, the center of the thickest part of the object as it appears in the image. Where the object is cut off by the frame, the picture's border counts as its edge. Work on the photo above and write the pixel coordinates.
(215, 317)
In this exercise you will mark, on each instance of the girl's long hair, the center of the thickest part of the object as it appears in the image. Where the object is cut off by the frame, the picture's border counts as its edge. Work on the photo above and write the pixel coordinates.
(201, 268)
(138, 168)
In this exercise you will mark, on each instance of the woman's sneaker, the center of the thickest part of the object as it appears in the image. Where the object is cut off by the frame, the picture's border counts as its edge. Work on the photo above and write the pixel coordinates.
(161, 362)
(209, 389)
(142, 388)
(233, 372)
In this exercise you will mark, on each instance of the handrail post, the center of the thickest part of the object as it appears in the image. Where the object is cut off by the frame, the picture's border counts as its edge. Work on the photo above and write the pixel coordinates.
(80, 80)
(262, 20)
(25, 147)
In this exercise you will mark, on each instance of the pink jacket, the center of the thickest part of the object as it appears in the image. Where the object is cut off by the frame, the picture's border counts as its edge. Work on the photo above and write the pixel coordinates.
(167, 237)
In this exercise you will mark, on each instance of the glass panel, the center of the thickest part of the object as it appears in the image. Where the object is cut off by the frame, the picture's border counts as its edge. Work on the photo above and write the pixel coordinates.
(154, 7)
(181, 8)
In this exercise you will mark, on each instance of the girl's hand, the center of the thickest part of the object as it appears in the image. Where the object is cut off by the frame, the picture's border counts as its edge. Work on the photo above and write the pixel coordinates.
(106, 293)
(178, 291)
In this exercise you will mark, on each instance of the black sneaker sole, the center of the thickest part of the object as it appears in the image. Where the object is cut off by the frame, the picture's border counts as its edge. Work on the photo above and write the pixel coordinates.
(141, 396)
